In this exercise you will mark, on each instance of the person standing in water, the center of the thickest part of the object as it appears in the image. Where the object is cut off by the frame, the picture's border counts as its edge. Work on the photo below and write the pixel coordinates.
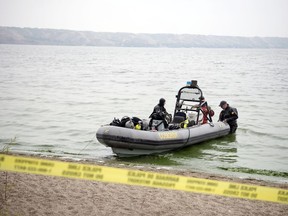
(229, 115)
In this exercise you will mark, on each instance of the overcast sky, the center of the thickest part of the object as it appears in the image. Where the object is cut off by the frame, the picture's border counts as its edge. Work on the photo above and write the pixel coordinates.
(205, 17)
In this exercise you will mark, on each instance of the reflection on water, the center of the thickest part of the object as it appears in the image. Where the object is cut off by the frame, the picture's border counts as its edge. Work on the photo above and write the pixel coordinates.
(211, 150)
(160, 159)
(218, 150)
(224, 150)
(221, 152)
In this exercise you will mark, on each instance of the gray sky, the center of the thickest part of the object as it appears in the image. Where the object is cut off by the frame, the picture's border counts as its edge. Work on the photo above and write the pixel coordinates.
(205, 17)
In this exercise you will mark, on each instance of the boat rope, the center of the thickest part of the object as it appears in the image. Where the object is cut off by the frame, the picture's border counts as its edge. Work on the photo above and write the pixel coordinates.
(91, 140)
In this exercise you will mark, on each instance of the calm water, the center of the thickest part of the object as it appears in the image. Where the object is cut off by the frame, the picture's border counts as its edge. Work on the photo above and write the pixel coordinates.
(53, 100)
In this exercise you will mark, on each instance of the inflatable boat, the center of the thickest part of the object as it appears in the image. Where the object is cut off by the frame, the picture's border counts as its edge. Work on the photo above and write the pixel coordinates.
(191, 123)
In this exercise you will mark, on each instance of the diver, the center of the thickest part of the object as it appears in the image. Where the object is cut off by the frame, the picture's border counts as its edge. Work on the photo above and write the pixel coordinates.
(229, 115)
(160, 113)
(207, 111)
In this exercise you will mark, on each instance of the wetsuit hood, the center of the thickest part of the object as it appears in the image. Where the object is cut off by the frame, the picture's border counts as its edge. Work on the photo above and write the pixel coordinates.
(162, 102)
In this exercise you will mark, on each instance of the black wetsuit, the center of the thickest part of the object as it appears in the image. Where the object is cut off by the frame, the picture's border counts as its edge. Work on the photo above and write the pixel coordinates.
(158, 113)
(230, 114)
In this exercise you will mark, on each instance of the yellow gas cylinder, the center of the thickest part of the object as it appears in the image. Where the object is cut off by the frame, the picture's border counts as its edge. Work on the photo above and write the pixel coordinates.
(186, 122)
(138, 127)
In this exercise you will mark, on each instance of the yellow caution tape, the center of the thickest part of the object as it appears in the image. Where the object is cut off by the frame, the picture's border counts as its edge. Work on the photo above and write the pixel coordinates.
(141, 178)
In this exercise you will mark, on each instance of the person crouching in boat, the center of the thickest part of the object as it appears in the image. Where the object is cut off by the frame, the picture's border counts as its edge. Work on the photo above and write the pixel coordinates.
(159, 113)
(229, 115)
(206, 110)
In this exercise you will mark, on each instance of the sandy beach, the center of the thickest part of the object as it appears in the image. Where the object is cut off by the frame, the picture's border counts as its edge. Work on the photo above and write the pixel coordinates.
(28, 194)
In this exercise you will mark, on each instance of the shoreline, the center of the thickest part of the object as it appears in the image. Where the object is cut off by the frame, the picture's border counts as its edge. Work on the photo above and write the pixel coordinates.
(164, 170)
(30, 194)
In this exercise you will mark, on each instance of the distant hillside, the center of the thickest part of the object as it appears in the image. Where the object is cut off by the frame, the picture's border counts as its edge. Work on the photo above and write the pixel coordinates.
(14, 35)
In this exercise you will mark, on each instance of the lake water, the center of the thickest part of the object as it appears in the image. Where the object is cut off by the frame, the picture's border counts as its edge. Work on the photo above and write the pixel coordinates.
(54, 98)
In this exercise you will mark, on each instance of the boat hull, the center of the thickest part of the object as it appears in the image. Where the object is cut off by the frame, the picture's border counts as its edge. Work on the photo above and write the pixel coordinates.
(126, 142)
